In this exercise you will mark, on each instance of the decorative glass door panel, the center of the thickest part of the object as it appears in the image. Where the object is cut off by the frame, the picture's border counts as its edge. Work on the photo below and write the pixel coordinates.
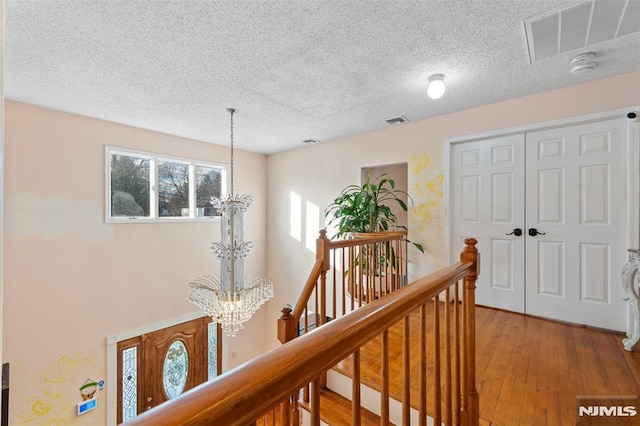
(130, 398)
(177, 359)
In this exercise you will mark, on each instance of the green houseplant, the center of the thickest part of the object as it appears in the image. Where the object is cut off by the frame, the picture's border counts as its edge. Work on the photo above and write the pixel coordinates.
(365, 208)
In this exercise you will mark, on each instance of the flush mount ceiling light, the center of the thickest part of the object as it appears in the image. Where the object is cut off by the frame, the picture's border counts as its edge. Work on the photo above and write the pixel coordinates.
(436, 87)
(583, 63)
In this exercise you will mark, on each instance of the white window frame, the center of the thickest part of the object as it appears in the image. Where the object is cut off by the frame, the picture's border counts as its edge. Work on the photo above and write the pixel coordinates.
(153, 187)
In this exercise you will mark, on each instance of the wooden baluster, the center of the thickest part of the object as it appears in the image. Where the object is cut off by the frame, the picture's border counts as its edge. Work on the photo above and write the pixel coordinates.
(361, 274)
(375, 272)
(384, 392)
(437, 417)
(456, 351)
(315, 402)
(316, 312)
(406, 376)
(399, 273)
(306, 392)
(470, 254)
(343, 281)
(404, 251)
(423, 366)
(296, 410)
(305, 312)
(385, 267)
(305, 389)
(403, 263)
(464, 402)
(355, 389)
(447, 356)
(285, 412)
(323, 299)
(372, 259)
(386, 278)
(352, 277)
(333, 311)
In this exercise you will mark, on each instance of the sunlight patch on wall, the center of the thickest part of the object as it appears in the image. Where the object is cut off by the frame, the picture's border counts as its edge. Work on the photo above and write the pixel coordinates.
(313, 225)
(295, 216)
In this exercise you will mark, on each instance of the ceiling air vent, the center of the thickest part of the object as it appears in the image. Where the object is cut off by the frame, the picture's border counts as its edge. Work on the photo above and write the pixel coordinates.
(579, 25)
(396, 120)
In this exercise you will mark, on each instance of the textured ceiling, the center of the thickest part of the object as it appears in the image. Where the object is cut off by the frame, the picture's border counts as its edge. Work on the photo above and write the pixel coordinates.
(295, 69)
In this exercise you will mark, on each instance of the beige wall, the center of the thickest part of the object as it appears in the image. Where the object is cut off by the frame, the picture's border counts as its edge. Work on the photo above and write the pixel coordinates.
(318, 172)
(71, 280)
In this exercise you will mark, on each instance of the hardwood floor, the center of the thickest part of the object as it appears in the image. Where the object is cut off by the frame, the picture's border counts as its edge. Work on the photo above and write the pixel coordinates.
(529, 370)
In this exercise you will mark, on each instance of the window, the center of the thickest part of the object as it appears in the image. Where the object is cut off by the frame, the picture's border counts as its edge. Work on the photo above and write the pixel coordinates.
(143, 186)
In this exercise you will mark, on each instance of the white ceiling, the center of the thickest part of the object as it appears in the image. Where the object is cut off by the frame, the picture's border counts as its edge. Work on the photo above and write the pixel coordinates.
(295, 69)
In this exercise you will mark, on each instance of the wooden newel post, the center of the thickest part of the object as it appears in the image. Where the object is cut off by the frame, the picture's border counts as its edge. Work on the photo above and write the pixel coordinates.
(323, 252)
(470, 255)
(286, 326)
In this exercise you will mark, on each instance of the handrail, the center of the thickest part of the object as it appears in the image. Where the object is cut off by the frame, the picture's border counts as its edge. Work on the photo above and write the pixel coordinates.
(308, 288)
(241, 396)
(365, 239)
(285, 332)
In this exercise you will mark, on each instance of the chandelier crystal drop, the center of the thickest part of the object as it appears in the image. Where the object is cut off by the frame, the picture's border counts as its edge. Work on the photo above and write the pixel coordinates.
(230, 299)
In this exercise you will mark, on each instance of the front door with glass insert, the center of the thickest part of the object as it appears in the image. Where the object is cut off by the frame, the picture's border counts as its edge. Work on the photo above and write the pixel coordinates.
(158, 366)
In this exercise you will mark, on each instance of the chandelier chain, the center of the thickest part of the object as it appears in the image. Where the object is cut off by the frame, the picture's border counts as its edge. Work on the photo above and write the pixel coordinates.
(232, 215)
(232, 111)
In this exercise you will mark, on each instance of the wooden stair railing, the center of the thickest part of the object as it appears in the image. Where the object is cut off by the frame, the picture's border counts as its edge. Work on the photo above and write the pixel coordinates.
(244, 396)
(362, 269)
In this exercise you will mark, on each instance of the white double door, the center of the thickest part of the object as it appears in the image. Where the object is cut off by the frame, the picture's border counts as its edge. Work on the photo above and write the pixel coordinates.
(548, 209)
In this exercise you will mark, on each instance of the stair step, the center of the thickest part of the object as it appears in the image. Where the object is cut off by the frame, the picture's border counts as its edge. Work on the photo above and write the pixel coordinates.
(336, 410)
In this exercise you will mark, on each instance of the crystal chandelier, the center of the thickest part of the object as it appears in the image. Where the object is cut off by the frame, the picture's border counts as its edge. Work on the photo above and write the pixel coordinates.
(229, 299)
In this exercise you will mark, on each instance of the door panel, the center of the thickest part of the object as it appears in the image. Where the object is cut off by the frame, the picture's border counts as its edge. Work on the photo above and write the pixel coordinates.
(177, 360)
(488, 203)
(575, 196)
(551, 268)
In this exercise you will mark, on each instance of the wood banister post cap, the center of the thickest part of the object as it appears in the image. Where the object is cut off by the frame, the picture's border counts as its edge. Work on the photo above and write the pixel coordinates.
(470, 244)
(286, 313)
(323, 234)
(470, 254)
